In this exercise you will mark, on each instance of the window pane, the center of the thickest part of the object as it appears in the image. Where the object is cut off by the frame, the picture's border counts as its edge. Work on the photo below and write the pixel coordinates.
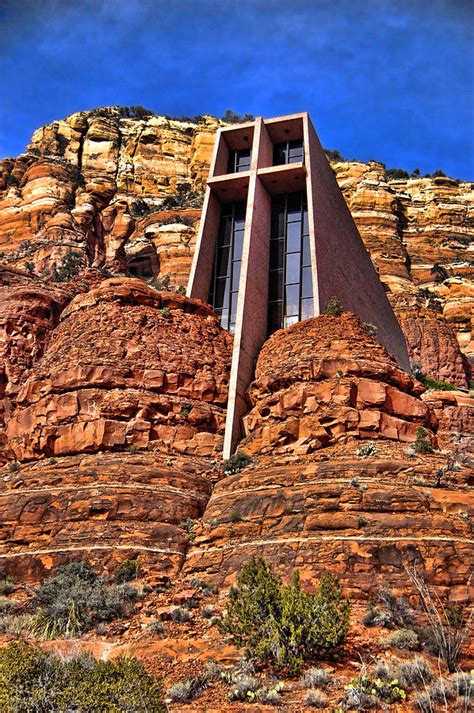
(277, 249)
(294, 206)
(222, 266)
(238, 243)
(222, 292)
(306, 260)
(305, 223)
(307, 283)
(275, 316)
(292, 303)
(225, 318)
(239, 211)
(289, 320)
(307, 309)
(293, 268)
(280, 152)
(293, 241)
(225, 233)
(235, 297)
(275, 291)
(243, 160)
(236, 274)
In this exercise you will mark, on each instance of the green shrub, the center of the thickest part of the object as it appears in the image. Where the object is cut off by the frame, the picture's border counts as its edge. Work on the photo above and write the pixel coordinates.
(334, 307)
(281, 623)
(236, 463)
(439, 272)
(6, 586)
(165, 312)
(422, 443)
(232, 118)
(435, 384)
(71, 264)
(316, 678)
(404, 639)
(75, 599)
(31, 680)
(183, 197)
(184, 691)
(127, 570)
(368, 449)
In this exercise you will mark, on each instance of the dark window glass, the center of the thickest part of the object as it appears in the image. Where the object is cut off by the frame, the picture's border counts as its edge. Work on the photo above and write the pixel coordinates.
(306, 283)
(227, 259)
(275, 287)
(306, 259)
(288, 152)
(277, 251)
(293, 268)
(290, 278)
(239, 161)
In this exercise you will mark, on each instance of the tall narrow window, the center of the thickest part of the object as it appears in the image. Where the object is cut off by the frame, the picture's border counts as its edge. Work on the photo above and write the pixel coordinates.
(288, 152)
(239, 161)
(225, 277)
(290, 279)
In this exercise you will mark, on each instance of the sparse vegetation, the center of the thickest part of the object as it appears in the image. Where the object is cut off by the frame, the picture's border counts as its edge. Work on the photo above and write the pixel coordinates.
(236, 463)
(316, 678)
(185, 691)
(32, 680)
(183, 197)
(440, 273)
(127, 571)
(435, 384)
(334, 307)
(368, 449)
(175, 218)
(370, 329)
(71, 264)
(281, 623)
(230, 117)
(75, 599)
(406, 639)
(316, 699)
(165, 312)
(180, 615)
(422, 443)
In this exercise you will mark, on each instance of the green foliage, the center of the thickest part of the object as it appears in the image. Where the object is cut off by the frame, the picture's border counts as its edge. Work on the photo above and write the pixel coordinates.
(236, 463)
(75, 599)
(127, 570)
(181, 290)
(422, 442)
(31, 680)
(12, 180)
(165, 312)
(362, 688)
(334, 307)
(184, 691)
(435, 384)
(139, 208)
(334, 156)
(6, 586)
(71, 264)
(29, 266)
(231, 117)
(439, 272)
(404, 639)
(14, 467)
(397, 173)
(175, 218)
(368, 449)
(281, 623)
(183, 197)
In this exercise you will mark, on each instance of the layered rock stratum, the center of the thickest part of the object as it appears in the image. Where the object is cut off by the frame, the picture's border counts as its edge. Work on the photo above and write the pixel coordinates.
(113, 385)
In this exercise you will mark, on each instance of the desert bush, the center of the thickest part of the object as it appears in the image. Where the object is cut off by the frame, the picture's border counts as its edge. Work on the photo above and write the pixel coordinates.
(316, 699)
(208, 612)
(156, 627)
(269, 695)
(180, 615)
(243, 688)
(71, 264)
(205, 587)
(75, 598)
(449, 639)
(334, 307)
(363, 691)
(422, 443)
(165, 312)
(31, 680)
(414, 672)
(404, 639)
(6, 586)
(127, 571)
(281, 623)
(368, 449)
(230, 117)
(184, 691)
(395, 611)
(183, 197)
(316, 678)
(236, 463)
(175, 218)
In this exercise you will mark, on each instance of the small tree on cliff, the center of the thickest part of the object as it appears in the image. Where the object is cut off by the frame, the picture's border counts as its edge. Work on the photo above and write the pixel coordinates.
(279, 622)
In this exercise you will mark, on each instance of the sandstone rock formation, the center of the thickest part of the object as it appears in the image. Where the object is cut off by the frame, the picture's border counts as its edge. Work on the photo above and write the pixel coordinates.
(326, 380)
(127, 367)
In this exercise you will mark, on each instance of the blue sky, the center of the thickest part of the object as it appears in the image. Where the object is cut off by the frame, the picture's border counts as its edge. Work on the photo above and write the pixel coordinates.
(386, 79)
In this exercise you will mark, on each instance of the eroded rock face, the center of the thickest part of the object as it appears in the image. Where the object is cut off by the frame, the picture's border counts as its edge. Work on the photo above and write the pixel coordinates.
(127, 367)
(326, 380)
(103, 508)
(366, 520)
